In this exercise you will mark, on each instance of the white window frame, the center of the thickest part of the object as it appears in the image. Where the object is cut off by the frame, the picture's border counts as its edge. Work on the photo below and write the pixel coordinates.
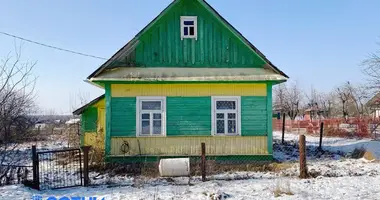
(189, 18)
(139, 111)
(214, 111)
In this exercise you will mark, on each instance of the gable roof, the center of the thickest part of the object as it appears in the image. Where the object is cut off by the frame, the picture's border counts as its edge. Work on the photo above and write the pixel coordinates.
(128, 48)
(374, 101)
(83, 108)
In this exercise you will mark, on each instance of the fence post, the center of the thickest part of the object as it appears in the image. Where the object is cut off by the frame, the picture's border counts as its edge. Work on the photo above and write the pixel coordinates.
(36, 178)
(203, 161)
(320, 136)
(283, 128)
(302, 150)
(86, 179)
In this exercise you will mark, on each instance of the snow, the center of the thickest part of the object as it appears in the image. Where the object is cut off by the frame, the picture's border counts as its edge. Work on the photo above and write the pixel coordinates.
(347, 187)
(72, 121)
(337, 176)
(335, 144)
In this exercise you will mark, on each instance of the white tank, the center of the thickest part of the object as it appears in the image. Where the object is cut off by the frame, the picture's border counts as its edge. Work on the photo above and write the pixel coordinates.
(172, 167)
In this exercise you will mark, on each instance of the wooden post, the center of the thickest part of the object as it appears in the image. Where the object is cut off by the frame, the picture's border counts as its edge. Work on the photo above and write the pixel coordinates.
(86, 179)
(320, 136)
(36, 178)
(203, 161)
(302, 150)
(283, 128)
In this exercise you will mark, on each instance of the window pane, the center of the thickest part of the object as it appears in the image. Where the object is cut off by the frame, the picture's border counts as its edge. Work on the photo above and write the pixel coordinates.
(156, 115)
(151, 105)
(157, 127)
(188, 22)
(191, 30)
(185, 31)
(220, 115)
(231, 126)
(145, 116)
(219, 126)
(231, 116)
(145, 127)
(225, 105)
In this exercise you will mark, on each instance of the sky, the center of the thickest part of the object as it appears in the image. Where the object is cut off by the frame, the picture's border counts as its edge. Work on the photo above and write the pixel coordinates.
(319, 44)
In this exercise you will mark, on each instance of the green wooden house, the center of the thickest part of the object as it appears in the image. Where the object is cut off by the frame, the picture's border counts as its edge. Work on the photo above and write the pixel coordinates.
(188, 77)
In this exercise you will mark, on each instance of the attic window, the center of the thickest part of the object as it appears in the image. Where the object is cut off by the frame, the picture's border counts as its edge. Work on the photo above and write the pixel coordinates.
(188, 27)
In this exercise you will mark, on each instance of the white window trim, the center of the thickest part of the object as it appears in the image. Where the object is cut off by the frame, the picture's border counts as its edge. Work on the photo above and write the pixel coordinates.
(138, 113)
(189, 18)
(238, 113)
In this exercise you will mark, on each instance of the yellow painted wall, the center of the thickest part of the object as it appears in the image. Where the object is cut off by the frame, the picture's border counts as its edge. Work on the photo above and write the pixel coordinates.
(96, 139)
(179, 146)
(204, 89)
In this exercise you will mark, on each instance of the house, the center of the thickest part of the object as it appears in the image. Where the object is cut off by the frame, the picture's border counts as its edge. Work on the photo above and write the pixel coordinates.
(188, 77)
(374, 105)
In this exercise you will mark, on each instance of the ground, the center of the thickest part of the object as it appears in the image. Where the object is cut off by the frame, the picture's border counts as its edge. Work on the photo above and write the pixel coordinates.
(337, 176)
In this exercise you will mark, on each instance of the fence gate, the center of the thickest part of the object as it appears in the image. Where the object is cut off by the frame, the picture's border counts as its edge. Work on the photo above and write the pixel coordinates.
(58, 169)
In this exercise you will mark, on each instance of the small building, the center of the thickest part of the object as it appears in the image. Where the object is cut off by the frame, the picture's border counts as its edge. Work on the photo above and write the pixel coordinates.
(188, 77)
(374, 105)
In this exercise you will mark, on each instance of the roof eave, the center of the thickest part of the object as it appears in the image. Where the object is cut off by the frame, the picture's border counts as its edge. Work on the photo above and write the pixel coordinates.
(83, 108)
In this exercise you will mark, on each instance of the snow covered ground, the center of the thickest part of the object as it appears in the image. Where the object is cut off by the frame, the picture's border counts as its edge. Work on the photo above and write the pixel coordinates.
(337, 177)
(334, 144)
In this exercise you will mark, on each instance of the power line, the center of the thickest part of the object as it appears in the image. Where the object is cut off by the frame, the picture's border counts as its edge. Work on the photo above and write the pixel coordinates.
(53, 47)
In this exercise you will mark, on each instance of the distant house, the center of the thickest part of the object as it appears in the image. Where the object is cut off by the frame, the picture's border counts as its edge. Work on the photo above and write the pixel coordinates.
(374, 105)
(188, 77)
(40, 125)
(72, 121)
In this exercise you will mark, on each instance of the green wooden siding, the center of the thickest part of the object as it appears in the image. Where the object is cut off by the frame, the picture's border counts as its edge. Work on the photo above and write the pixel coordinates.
(254, 116)
(123, 116)
(216, 46)
(89, 119)
(188, 116)
(269, 121)
(108, 119)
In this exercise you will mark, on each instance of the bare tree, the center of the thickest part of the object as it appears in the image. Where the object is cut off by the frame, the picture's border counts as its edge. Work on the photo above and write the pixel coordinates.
(372, 70)
(359, 95)
(16, 104)
(78, 100)
(313, 102)
(344, 97)
(321, 104)
(288, 99)
(279, 97)
(353, 99)
(327, 104)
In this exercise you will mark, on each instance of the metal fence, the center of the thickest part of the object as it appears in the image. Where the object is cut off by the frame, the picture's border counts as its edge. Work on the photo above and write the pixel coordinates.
(59, 168)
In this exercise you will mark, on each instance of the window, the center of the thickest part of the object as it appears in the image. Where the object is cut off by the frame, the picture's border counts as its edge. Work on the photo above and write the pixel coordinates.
(150, 114)
(188, 27)
(226, 115)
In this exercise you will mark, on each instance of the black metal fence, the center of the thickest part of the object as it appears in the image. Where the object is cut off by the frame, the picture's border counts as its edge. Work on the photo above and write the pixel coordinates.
(59, 168)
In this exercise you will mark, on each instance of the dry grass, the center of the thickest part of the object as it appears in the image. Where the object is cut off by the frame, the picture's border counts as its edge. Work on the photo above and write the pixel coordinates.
(150, 169)
(215, 168)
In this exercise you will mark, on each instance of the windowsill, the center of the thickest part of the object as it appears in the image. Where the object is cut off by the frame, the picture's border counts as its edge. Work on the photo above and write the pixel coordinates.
(151, 136)
(220, 135)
